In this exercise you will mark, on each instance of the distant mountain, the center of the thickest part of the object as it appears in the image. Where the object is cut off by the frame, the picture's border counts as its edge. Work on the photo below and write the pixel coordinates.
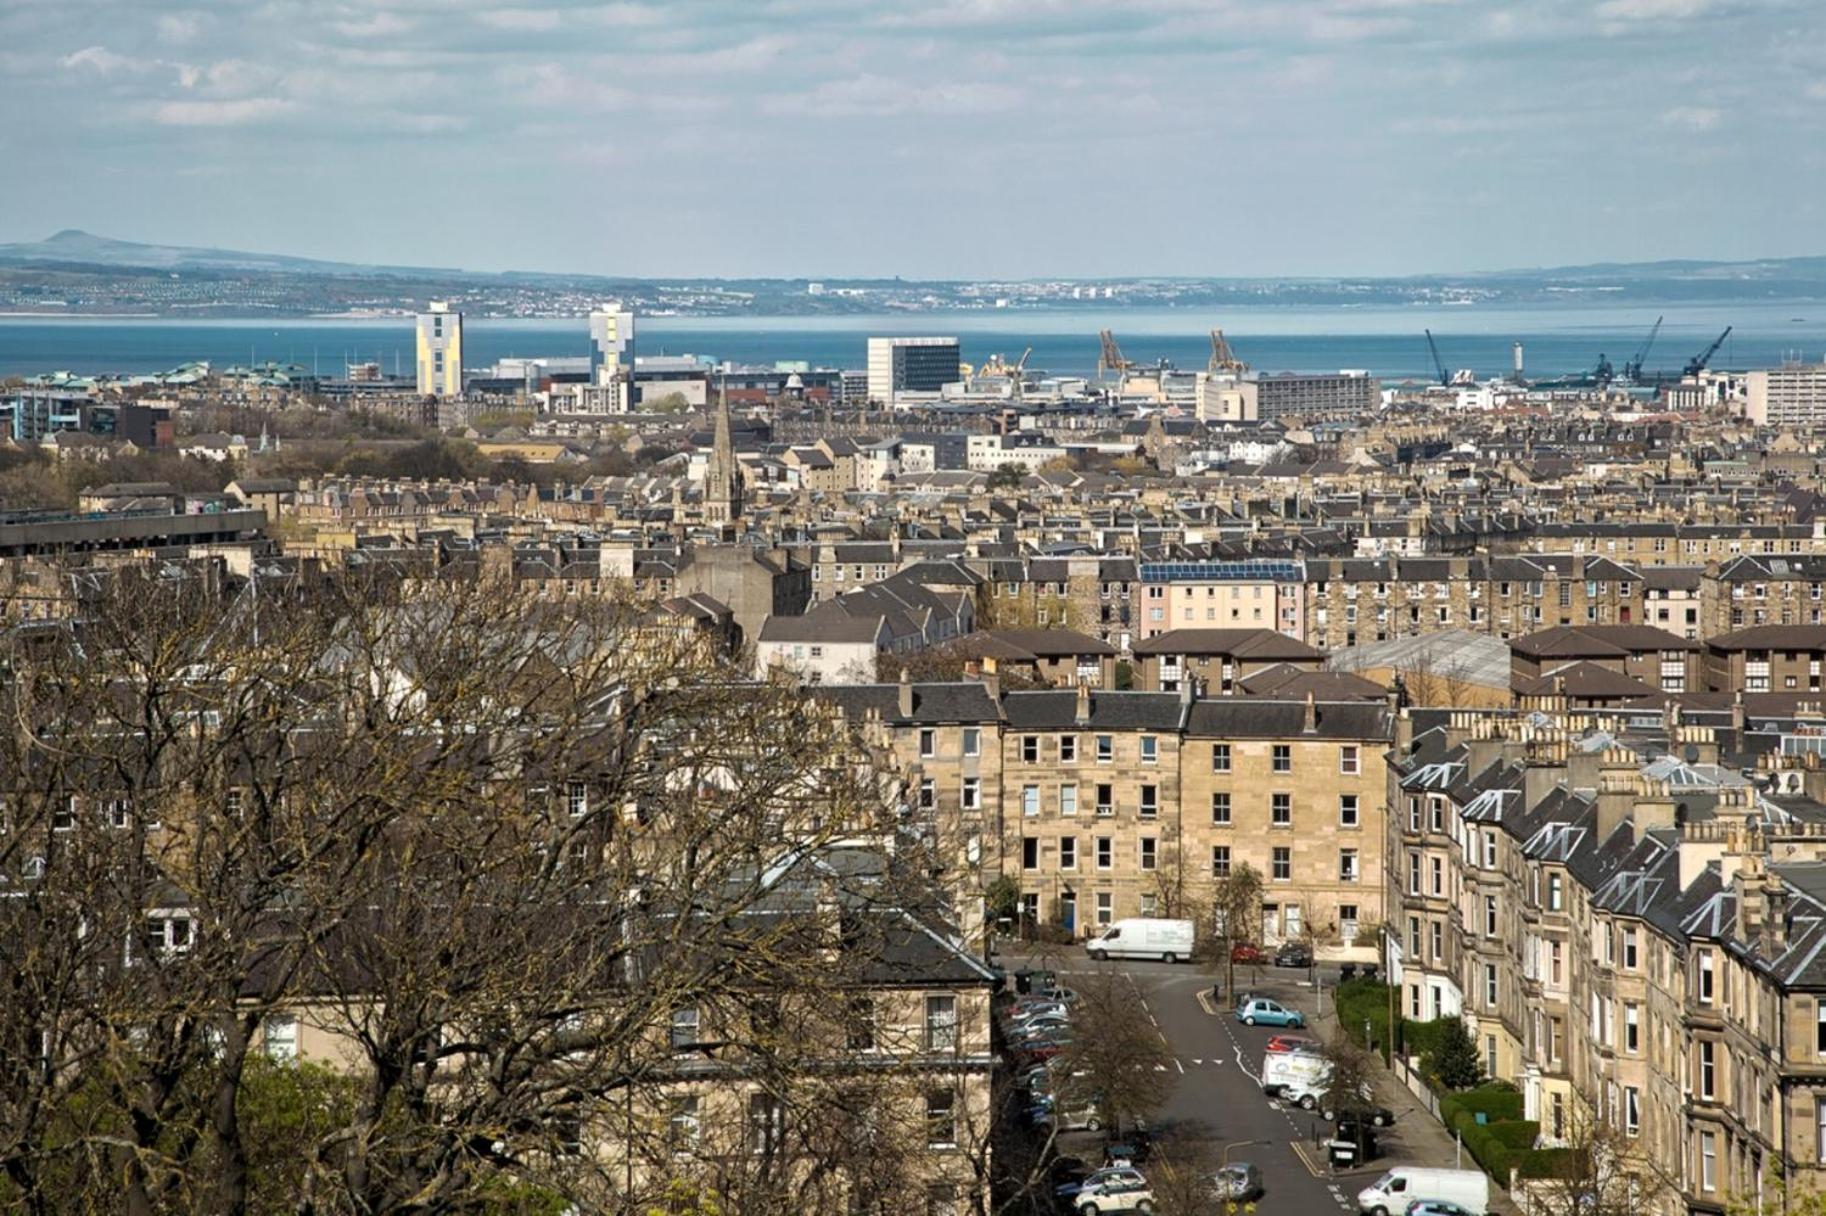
(74, 247)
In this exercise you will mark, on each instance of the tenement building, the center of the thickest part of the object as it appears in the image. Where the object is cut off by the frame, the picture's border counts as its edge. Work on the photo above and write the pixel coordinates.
(1629, 912)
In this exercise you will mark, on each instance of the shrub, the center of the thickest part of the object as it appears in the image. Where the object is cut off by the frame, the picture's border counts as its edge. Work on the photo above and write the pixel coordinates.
(1547, 1162)
(1453, 1060)
(1517, 1134)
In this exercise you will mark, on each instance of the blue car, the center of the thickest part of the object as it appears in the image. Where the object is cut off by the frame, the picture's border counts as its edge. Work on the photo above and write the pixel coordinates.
(1263, 1012)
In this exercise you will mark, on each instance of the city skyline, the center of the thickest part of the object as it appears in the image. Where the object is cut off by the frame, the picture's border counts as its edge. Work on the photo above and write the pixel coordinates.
(993, 138)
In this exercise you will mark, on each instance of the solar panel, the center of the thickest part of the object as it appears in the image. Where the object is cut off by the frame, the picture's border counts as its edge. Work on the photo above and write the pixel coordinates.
(1238, 571)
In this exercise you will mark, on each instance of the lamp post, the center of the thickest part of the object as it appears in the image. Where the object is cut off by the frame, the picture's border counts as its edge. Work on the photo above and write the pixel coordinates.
(1225, 1161)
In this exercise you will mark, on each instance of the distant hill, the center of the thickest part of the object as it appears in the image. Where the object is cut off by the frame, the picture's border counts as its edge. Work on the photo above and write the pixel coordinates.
(74, 247)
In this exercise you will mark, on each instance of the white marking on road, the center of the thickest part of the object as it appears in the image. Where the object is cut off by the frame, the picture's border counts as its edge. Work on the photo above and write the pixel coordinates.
(1178, 1065)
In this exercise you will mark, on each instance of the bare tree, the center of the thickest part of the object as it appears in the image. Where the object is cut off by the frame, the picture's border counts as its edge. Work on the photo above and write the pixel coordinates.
(1236, 908)
(529, 880)
(1116, 1056)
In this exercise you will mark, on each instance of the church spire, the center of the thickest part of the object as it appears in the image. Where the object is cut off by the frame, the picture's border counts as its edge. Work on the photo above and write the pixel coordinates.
(723, 477)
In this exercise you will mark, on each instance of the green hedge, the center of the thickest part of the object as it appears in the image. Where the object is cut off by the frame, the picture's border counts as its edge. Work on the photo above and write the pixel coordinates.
(1362, 1001)
(1497, 1101)
(1546, 1162)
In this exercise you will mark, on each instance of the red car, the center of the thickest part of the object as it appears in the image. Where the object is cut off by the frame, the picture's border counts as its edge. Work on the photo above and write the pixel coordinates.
(1247, 952)
(1289, 1042)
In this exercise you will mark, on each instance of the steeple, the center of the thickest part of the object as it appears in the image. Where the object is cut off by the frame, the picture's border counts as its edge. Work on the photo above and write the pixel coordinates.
(723, 478)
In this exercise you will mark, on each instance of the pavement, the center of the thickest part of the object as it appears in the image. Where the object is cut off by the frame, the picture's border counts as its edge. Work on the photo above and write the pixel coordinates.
(1218, 1097)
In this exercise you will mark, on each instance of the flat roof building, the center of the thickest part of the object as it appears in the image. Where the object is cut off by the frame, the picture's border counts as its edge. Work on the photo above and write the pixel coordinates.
(440, 351)
(916, 367)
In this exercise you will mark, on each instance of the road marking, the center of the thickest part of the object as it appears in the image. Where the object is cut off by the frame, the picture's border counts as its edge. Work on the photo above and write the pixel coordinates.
(1178, 1065)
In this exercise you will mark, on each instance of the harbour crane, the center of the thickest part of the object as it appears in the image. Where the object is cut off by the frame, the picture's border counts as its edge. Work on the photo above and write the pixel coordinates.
(1110, 359)
(1698, 362)
(1439, 365)
(1015, 373)
(1223, 359)
(1632, 371)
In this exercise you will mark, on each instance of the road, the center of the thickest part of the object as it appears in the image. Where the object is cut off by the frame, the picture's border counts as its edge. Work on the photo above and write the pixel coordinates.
(1218, 1098)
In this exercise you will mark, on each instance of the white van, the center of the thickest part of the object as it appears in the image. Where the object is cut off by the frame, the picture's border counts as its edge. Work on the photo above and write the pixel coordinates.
(1144, 937)
(1390, 1194)
(1300, 1071)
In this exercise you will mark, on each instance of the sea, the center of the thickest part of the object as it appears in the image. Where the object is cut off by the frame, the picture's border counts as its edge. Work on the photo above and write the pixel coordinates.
(1387, 342)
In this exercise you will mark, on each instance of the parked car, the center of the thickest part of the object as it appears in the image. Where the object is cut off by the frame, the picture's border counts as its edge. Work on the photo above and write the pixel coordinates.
(1035, 981)
(1133, 1149)
(1436, 1207)
(1290, 1042)
(1045, 1049)
(1239, 1181)
(1243, 998)
(1116, 1196)
(1373, 1114)
(1293, 954)
(1082, 1115)
(1247, 952)
(1123, 1174)
(1263, 1012)
(1032, 1013)
(1038, 1027)
(1144, 937)
(1066, 1173)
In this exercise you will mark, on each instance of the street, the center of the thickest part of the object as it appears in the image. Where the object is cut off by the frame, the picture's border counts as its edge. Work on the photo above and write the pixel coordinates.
(1218, 1098)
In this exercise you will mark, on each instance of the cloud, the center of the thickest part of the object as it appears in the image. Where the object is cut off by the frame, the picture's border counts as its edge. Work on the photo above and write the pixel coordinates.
(381, 25)
(177, 29)
(1692, 118)
(1651, 10)
(101, 59)
(519, 20)
(238, 112)
(880, 96)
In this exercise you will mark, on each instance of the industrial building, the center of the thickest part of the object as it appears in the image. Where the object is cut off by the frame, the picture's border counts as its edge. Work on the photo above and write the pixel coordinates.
(901, 369)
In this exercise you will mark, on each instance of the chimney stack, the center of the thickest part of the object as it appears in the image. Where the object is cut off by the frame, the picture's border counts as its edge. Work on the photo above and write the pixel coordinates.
(906, 694)
(1083, 715)
(1310, 723)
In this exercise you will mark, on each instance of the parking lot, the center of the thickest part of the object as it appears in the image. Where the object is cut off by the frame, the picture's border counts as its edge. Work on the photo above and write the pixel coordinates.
(1217, 1097)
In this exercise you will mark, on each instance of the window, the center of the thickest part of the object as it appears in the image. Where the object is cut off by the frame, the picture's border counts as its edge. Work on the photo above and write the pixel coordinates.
(928, 743)
(1220, 809)
(928, 793)
(1106, 748)
(1068, 852)
(1349, 761)
(1106, 852)
(973, 793)
(1489, 985)
(859, 1025)
(1347, 865)
(280, 1035)
(941, 1023)
(1705, 977)
(1555, 893)
(63, 815)
(682, 1126)
(1150, 853)
(1632, 1111)
(1632, 1027)
(1068, 749)
(1555, 961)
(1220, 757)
(1220, 861)
(1283, 758)
(1106, 799)
(1347, 923)
(1436, 931)
(120, 813)
(576, 799)
(1030, 852)
(1489, 850)
(1708, 1161)
(1068, 800)
(1436, 809)
(684, 1030)
(167, 935)
(941, 1118)
(1347, 811)
(1414, 936)
(1150, 801)
(1282, 865)
(1413, 873)
(1819, 1128)
(1150, 749)
(1708, 1069)
(1030, 800)
(1438, 872)
(1280, 810)
(766, 1123)
(1106, 907)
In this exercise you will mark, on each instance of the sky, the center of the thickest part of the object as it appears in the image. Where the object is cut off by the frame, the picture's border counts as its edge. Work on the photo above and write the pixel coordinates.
(923, 138)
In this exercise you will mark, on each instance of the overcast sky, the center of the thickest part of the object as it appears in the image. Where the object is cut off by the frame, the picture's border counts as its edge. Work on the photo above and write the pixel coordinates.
(953, 138)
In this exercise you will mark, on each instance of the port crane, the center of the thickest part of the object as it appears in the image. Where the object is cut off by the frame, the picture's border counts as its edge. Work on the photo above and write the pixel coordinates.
(1110, 359)
(1698, 362)
(1632, 370)
(1439, 365)
(1015, 372)
(1223, 359)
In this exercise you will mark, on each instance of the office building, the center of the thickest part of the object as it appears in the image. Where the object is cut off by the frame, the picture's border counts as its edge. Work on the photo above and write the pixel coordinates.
(903, 368)
(611, 344)
(1791, 395)
(440, 351)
